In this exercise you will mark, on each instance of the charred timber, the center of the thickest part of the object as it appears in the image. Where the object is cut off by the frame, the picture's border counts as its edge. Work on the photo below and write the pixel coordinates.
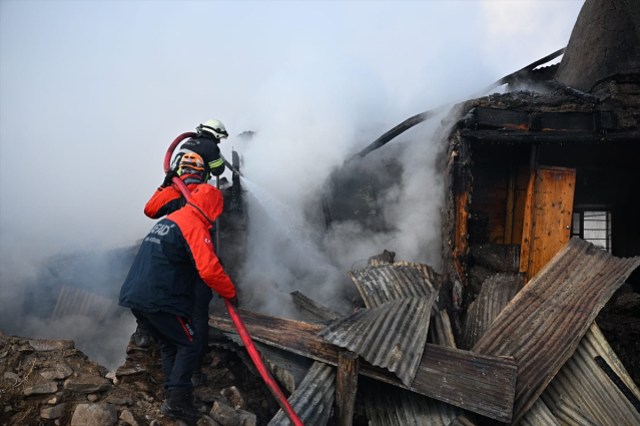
(346, 387)
(555, 138)
(479, 383)
(311, 308)
(396, 131)
(521, 74)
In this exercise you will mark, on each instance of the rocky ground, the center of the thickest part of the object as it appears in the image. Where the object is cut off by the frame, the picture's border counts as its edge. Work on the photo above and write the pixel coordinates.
(49, 382)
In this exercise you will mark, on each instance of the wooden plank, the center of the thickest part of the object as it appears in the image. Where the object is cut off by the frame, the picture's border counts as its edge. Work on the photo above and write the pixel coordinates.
(527, 225)
(461, 242)
(311, 308)
(500, 118)
(479, 383)
(552, 214)
(522, 182)
(346, 387)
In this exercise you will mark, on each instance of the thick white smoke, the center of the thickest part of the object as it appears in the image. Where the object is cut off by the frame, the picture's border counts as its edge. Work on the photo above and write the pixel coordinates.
(92, 93)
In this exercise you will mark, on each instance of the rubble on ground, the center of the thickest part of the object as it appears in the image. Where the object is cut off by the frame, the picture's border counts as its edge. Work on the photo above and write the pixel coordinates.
(50, 382)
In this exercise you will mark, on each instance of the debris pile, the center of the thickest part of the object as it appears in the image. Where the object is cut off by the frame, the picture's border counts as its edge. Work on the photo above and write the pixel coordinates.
(537, 356)
(50, 382)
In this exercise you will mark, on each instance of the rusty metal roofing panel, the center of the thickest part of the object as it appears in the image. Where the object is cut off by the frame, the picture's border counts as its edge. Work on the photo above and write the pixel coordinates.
(582, 383)
(542, 326)
(496, 293)
(569, 414)
(388, 282)
(539, 415)
(392, 336)
(387, 406)
(313, 399)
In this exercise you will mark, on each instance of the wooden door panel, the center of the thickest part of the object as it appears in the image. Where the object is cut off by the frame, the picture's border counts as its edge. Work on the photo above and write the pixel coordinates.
(551, 214)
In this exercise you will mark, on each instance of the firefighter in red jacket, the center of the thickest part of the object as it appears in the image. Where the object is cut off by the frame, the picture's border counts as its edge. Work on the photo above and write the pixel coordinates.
(160, 290)
(167, 199)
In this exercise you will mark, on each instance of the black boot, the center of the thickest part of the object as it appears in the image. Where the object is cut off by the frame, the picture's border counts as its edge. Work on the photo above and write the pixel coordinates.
(198, 379)
(180, 405)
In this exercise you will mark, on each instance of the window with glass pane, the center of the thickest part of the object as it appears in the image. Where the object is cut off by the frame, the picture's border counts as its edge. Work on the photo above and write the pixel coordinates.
(593, 226)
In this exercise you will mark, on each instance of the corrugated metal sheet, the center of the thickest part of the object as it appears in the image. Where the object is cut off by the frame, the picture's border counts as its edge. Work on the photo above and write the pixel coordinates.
(543, 324)
(569, 414)
(582, 383)
(313, 399)
(392, 336)
(385, 283)
(539, 415)
(496, 293)
(440, 330)
(75, 301)
(387, 406)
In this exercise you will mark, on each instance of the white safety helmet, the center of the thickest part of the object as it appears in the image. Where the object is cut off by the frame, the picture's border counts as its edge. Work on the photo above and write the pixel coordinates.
(214, 127)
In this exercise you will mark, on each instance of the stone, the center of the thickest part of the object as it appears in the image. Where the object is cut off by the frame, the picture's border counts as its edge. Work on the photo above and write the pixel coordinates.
(11, 376)
(94, 415)
(51, 413)
(92, 397)
(8, 408)
(223, 414)
(129, 371)
(235, 397)
(119, 401)
(207, 421)
(128, 417)
(41, 389)
(55, 400)
(87, 384)
(59, 372)
(48, 345)
(246, 418)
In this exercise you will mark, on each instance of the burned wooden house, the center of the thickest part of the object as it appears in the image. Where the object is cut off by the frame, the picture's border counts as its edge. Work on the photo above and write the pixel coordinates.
(539, 231)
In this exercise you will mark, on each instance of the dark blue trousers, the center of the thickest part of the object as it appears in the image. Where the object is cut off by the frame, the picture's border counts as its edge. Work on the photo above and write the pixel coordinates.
(201, 318)
(180, 347)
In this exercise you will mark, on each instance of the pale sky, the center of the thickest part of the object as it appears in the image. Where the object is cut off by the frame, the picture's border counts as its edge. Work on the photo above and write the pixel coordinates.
(93, 92)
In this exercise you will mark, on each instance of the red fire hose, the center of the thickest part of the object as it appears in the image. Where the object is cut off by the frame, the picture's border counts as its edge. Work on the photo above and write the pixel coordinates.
(237, 321)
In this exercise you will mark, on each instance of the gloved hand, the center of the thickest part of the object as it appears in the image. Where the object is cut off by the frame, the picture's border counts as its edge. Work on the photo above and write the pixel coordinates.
(168, 179)
(234, 301)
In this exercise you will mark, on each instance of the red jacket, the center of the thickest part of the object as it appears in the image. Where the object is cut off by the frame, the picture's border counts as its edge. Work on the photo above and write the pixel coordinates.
(176, 248)
(165, 201)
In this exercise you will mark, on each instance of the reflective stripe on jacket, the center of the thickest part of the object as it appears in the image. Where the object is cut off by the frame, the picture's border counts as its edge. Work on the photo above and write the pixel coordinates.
(205, 147)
